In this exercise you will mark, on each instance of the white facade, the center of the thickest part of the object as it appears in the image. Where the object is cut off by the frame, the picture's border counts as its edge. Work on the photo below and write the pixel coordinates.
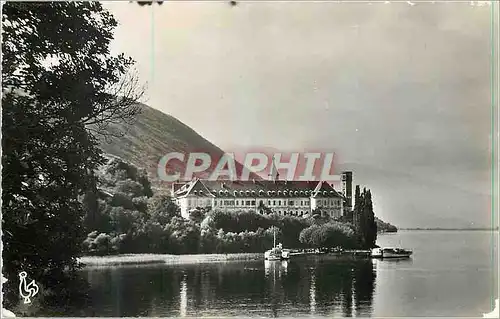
(283, 198)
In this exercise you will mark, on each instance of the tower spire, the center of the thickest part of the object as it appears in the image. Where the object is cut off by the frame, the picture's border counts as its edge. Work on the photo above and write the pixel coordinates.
(273, 172)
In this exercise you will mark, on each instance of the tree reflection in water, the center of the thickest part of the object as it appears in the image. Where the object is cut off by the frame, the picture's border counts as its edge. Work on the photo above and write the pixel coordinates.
(324, 286)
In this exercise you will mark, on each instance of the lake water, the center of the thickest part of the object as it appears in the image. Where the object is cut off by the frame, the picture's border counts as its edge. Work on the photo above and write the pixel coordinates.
(452, 273)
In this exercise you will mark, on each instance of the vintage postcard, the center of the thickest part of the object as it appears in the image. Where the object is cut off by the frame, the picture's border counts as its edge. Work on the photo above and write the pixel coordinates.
(250, 158)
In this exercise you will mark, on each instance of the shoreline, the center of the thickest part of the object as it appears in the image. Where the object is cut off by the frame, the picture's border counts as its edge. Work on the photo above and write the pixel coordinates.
(450, 229)
(167, 259)
(191, 259)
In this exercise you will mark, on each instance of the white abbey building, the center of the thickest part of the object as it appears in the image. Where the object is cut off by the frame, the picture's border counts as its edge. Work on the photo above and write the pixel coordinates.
(289, 198)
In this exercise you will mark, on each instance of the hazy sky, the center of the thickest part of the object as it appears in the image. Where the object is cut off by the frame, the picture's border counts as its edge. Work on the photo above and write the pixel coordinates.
(401, 92)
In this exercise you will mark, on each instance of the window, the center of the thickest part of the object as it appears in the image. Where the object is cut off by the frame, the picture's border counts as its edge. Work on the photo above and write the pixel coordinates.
(268, 202)
(290, 203)
(247, 203)
(301, 203)
(274, 202)
(237, 203)
(253, 203)
(279, 202)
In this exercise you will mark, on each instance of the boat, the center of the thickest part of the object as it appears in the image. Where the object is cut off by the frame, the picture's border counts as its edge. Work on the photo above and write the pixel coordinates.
(273, 254)
(277, 252)
(285, 254)
(390, 252)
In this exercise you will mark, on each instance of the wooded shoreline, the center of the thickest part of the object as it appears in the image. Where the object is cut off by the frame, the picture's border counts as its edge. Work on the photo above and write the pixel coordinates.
(140, 259)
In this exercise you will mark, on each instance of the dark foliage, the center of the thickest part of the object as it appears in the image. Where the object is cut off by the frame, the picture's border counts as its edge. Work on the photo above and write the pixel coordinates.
(60, 88)
(364, 219)
(148, 3)
(329, 235)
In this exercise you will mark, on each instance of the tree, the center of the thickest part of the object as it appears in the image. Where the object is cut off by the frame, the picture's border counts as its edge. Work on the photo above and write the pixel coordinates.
(197, 215)
(162, 209)
(364, 222)
(332, 234)
(148, 3)
(61, 89)
(370, 223)
(357, 204)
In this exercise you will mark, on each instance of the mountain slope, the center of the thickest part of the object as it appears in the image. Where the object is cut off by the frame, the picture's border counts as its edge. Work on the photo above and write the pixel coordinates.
(153, 135)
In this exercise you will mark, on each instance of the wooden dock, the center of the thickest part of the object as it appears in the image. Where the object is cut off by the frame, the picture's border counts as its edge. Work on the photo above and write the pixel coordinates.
(309, 252)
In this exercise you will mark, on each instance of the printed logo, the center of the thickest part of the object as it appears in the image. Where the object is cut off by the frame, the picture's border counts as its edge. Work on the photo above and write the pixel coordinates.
(291, 166)
(26, 290)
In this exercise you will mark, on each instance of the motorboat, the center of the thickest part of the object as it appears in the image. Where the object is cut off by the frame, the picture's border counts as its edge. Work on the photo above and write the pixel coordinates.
(277, 252)
(390, 252)
(274, 253)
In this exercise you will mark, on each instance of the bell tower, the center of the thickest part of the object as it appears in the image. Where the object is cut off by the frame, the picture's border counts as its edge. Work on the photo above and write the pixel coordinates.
(347, 189)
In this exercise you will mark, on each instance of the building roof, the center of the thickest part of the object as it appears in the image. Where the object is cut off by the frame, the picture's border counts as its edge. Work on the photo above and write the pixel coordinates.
(194, 187)
(257, 189)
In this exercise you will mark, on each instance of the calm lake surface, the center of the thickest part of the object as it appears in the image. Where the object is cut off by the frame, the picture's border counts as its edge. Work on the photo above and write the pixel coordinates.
(452, 273)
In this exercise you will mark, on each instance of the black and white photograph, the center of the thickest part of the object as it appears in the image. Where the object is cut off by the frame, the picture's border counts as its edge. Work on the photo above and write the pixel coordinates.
(250, 158)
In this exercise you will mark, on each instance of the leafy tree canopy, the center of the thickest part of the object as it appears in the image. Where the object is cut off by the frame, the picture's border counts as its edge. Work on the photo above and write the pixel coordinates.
(61, 87)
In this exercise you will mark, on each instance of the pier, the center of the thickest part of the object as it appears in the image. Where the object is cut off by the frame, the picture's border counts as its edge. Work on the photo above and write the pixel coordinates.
(340, 252)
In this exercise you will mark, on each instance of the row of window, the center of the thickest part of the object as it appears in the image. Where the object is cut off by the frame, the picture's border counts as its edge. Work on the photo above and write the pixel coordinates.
(302, 213)
(207, 202)
(291, 213)
(253, 203)
(262, 193)
(289, 203)
(194, 202)
(328, 202)
(199, 202)
(235, 202)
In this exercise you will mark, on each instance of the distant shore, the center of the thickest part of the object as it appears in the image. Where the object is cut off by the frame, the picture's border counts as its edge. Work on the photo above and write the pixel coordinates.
(457, 229)
(140, 259)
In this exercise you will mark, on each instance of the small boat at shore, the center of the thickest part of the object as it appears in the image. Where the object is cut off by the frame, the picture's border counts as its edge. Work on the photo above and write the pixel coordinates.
(273, 254)
(285, 254)
(390, 252)
(277, 252)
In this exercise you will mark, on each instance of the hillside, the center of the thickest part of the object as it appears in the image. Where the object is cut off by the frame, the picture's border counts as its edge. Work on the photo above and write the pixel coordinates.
(151, 136)
(383, 227)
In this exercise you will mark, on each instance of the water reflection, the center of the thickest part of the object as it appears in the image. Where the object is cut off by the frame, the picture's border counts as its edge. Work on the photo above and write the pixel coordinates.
(183, 298)
(312, 294)
(319, 286)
